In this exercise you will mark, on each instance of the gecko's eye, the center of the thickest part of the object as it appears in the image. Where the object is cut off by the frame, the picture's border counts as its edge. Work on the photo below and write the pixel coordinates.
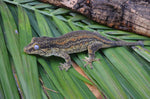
(36, 47)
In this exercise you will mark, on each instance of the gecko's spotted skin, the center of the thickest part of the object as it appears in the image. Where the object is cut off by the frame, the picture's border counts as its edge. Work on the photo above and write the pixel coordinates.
(73, 42)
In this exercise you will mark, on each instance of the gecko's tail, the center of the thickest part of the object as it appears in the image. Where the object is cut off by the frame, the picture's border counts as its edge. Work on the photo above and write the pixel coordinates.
(123, 43)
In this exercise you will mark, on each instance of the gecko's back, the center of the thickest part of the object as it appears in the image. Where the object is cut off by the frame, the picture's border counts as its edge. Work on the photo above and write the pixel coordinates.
(78, 41)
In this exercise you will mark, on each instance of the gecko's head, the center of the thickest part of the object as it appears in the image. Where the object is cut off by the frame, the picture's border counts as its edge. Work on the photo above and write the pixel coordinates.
(37, 46)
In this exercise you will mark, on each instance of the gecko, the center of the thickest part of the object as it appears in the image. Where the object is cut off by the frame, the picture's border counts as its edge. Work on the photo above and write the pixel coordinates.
(73, 42)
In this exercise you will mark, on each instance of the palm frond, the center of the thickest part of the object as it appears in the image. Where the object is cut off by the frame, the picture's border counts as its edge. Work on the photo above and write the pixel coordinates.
(122, 72)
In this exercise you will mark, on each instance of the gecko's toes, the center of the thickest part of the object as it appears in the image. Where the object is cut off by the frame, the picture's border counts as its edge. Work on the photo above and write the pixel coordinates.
(64, 66)
(91, 66)
(85, 64)
(61, 66)
(89, 61)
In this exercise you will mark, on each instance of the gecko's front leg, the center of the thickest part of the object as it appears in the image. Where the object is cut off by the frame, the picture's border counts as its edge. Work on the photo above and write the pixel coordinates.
(67, 58)
(91, 52)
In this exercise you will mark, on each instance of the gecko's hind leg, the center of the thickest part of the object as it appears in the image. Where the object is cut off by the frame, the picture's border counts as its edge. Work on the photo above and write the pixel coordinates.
(91, 51)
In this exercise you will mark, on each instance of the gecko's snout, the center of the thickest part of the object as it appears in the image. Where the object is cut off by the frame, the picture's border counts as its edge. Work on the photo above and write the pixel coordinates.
(25, 50)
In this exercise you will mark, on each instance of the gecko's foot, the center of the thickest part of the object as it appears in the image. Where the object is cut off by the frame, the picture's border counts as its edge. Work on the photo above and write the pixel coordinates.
(64, 66)
(89, 61)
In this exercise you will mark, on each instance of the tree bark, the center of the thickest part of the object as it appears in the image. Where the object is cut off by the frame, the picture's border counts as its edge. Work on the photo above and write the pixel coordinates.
(128, 15)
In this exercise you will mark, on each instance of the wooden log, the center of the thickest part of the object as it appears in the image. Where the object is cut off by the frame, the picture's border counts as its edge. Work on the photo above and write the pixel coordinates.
(128, 15)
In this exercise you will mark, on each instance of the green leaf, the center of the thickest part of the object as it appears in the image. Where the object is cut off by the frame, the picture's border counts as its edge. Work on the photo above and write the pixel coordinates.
(44, 28)
(131, 69)
(29, 62)
(143, 52)
(25, 66)
(6, 76)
